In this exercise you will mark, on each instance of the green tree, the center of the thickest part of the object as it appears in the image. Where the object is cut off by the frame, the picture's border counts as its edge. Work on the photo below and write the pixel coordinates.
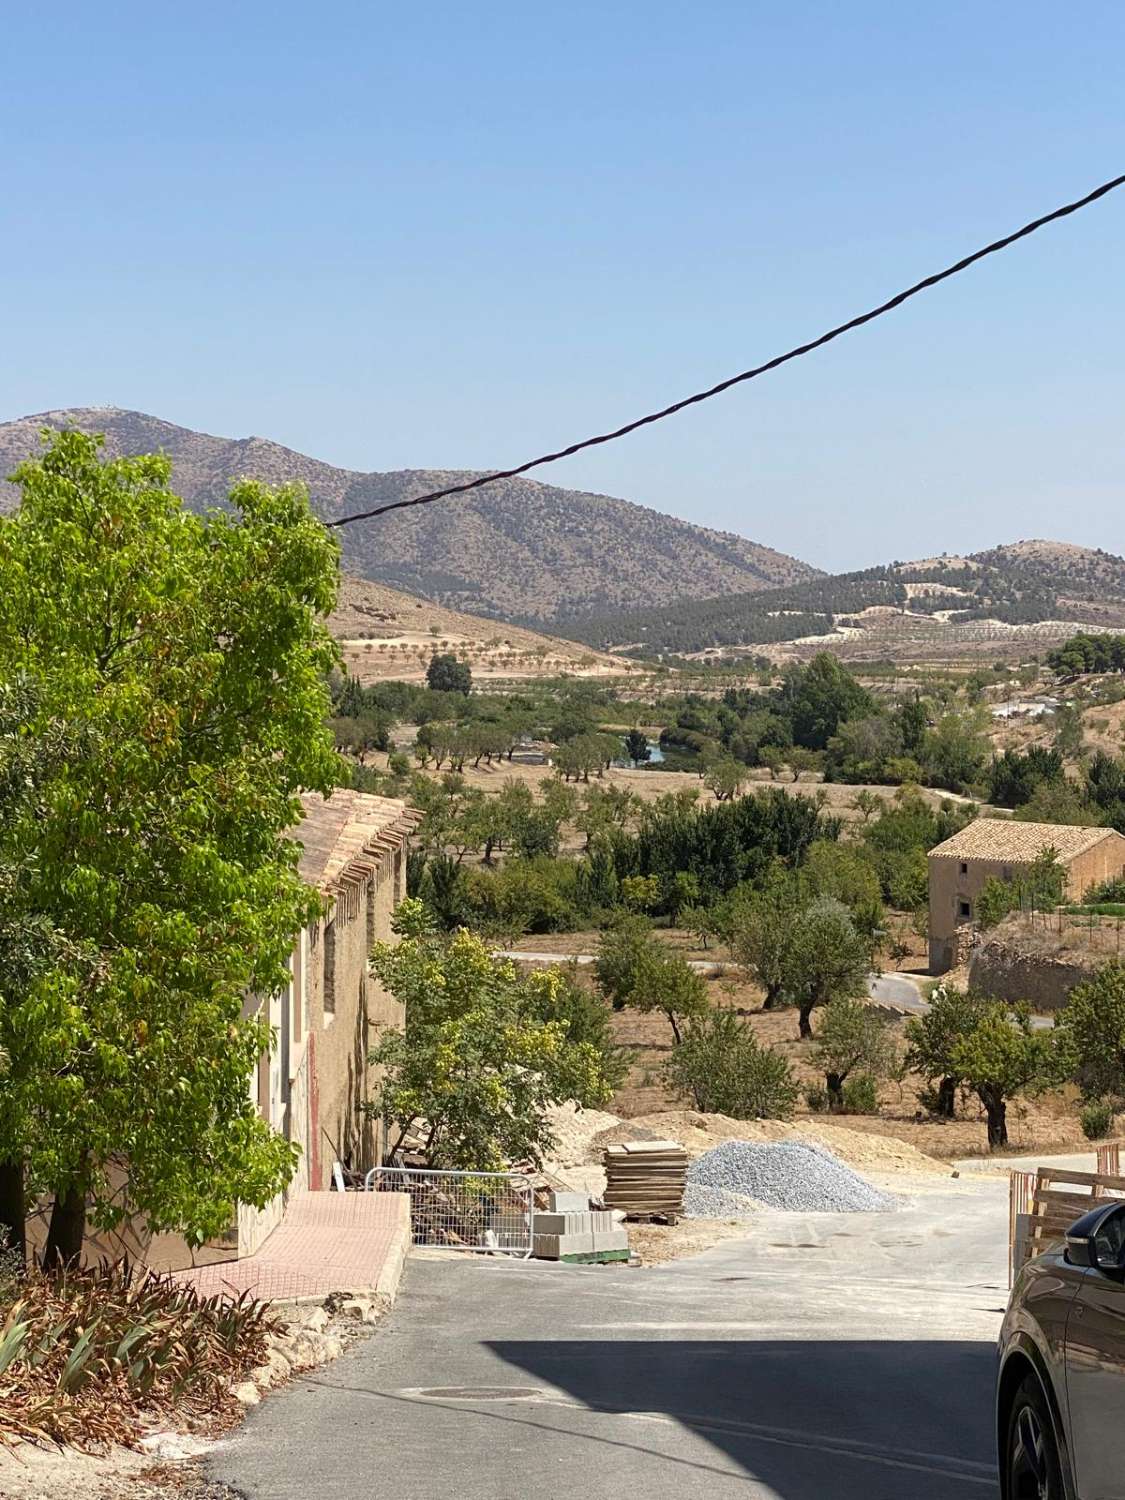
(827, 959)
(447, 674)
(802, 760)
(190, 657)
(819, 698)
(759, 925)
(636, 747)
(847, 872)
(867, 802)
(852, 1037)
(955, 752)
(1091, 1033)
(635, 969)
(486, 1051)
(723, 1069)
(934, 1037)
(1002, 1057)
(725, 778)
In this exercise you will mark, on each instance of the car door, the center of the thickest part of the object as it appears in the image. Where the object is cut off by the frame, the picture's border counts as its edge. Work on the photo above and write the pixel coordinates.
(1095, 1369)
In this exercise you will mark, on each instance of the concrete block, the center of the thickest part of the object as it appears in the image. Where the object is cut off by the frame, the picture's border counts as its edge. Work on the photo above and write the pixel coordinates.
(556, 1246)
(564, 1223)
(568, 1203)
(613, 1239)
(602, 1221)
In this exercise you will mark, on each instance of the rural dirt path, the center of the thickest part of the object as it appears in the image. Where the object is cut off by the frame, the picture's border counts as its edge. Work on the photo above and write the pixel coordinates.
(890, 989)
(842, 1355)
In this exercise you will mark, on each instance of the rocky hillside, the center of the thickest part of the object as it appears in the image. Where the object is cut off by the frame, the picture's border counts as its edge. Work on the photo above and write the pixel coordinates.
(517, 550)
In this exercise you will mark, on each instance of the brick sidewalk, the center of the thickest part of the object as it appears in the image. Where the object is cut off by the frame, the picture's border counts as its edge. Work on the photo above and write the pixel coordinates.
(327, 1242)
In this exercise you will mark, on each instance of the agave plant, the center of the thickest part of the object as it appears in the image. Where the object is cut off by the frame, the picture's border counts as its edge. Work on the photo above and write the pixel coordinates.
(83, 1352)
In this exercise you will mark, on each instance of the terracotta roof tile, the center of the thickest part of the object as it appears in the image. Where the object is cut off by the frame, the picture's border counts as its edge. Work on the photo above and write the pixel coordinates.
(1019, 843)
(348, 831)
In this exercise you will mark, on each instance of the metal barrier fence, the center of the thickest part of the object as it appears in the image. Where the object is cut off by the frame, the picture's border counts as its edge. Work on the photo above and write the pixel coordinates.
(486, 1212)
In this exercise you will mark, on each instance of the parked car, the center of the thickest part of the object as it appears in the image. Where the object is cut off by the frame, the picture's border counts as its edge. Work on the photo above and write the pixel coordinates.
(1060, 1396)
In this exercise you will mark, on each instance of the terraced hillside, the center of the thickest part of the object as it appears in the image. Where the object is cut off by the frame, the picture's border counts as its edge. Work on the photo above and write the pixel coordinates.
(385, 634)
(942, 607)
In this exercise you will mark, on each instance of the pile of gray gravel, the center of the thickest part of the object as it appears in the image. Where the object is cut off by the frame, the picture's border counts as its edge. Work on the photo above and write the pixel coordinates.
(704, 1202)
(793, 1175)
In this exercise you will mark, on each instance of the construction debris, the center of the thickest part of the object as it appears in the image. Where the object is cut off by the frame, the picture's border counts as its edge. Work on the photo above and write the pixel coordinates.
(646, 1179)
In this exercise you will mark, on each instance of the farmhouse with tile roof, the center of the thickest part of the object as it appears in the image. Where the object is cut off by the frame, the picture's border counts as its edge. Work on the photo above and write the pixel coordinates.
(998, 848)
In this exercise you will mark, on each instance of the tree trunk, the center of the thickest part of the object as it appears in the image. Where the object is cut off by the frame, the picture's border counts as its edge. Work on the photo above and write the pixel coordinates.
(68, 1227)
(835, 1084)
(996, 1107)
(773, 995)
(947, 1098)
(675, 1027)
(487, 856)
(13, 1208)
(806, 1020)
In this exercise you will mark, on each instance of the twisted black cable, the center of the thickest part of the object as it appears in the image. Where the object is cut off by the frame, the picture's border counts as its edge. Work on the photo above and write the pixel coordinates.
(772, 364)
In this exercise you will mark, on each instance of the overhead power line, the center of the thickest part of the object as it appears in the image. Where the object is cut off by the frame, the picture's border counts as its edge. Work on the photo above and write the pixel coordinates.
(725, 385)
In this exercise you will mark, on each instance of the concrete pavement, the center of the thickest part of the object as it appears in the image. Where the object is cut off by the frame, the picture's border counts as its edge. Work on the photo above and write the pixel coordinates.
(842, 1356)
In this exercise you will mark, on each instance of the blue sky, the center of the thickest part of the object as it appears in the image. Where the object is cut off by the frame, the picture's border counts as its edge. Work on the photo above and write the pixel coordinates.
(452, 236)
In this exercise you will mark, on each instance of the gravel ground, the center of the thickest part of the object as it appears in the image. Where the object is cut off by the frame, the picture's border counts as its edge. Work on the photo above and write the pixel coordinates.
(787, 1174)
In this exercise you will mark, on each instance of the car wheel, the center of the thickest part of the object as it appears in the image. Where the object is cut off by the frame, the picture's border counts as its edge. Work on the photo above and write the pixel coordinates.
(1033, 1456)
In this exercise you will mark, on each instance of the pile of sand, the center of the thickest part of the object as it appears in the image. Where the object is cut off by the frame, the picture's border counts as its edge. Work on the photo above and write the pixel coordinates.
(699, 1133)
(582, 1135)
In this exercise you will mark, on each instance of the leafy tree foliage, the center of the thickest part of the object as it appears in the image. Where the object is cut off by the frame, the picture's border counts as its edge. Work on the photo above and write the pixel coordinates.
(1084, 653)
(1091, 1033)
(636, 747)
(722, 1068)
(932, 1040)
(188, 656)
(635, 969)
(447, 674)
(819, 698)
(828, 959)
(486, 1051)
(1000, 1057)
(852, 1038)
(1014, 776)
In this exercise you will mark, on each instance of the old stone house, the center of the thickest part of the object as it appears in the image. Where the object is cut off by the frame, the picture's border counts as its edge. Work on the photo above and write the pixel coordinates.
(314, 1084)
(1000, 849)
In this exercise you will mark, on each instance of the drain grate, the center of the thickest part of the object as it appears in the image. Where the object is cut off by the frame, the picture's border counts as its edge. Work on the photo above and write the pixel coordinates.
(480, 1393)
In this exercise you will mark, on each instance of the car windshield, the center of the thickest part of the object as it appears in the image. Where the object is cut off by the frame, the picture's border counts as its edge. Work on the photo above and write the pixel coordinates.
(1110, 1239)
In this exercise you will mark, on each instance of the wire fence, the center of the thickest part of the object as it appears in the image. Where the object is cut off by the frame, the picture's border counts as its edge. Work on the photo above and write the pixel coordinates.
(484, 1212)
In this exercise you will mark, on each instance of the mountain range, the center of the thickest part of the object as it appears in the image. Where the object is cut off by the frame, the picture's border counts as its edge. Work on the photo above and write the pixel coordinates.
(516, 550)
(1006, 599)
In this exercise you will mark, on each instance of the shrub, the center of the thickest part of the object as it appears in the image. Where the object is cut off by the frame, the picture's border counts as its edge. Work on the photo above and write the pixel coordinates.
(87, 1357)
(861, 1096)
(1097, 1119)
(816, 1099)
(723, 1068)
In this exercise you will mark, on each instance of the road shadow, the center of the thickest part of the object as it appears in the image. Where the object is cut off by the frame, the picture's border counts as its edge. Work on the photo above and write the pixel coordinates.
(813, 1420)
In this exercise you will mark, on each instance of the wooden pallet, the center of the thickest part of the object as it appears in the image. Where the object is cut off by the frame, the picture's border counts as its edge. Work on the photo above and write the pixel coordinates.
(1062, 1196)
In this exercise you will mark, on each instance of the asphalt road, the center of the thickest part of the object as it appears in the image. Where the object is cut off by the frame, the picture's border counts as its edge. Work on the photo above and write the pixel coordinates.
(826, 1357)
